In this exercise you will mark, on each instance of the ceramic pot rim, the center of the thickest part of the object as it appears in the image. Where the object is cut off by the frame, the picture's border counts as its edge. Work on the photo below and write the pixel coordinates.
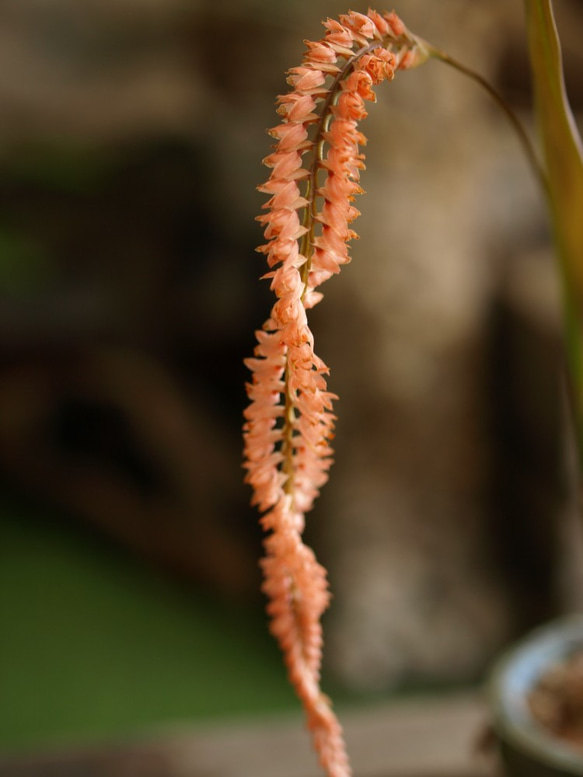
(515, 674)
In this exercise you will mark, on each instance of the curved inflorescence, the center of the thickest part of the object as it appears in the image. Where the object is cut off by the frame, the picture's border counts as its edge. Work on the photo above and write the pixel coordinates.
(315, 171)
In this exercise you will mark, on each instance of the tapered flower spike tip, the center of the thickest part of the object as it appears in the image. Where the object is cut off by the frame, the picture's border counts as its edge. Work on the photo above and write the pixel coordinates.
(315, 171)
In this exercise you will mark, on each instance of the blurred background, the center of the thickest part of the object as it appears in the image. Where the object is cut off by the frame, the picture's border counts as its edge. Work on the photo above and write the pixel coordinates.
(131, 138)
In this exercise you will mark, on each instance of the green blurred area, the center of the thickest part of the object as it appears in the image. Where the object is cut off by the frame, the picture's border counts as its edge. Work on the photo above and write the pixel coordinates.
(93, 645)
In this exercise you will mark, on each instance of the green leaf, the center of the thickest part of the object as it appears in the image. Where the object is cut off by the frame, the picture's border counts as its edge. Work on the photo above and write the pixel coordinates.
(564, 167)
(561, 143)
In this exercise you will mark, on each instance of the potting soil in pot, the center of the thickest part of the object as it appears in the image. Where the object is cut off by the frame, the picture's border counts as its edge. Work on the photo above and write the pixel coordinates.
(557, 700)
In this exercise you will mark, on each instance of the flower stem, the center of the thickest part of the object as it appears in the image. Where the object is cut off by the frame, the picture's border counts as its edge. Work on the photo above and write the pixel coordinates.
(523, 137)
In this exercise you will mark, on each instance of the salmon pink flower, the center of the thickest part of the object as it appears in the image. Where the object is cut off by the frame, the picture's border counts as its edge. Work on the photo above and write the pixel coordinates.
(362, 26)
(382, 25)
(305, 80)
(321, 52)
(338, 36)
(379, 65)
(396, 25)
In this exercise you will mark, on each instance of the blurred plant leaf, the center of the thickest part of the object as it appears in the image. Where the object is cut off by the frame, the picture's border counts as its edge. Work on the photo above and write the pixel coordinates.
(25, 265)
(564, 166)
(561, 142)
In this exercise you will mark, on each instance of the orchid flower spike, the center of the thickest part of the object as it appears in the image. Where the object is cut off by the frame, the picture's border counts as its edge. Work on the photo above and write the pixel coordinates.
(289, 424)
